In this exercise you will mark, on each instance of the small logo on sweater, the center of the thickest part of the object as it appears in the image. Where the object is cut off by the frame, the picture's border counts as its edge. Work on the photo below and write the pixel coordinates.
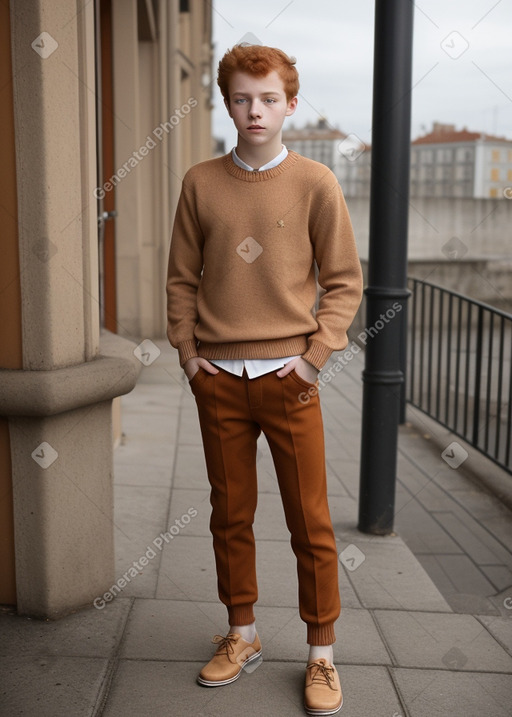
(249, 249)
(280, 223)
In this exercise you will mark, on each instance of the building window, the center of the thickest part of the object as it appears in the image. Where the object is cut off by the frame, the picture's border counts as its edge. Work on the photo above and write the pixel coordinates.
(495, 155)
(495, 175)
(184, 6)
(444, 155)
(493, 192)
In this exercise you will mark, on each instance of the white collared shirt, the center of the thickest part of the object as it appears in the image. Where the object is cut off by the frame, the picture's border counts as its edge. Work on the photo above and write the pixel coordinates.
(269, 165)
(254, 367)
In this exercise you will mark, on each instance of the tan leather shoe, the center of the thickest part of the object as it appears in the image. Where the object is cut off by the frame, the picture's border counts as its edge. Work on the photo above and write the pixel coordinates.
(322, 691)
(233, 654)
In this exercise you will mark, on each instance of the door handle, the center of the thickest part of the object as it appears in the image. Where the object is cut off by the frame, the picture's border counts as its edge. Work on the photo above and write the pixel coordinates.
(106, 216)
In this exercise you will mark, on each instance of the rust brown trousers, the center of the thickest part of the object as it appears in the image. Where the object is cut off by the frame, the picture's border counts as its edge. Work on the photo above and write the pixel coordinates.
(233, 411)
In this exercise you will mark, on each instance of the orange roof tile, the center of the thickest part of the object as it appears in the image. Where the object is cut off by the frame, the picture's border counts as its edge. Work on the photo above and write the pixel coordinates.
(447, 136)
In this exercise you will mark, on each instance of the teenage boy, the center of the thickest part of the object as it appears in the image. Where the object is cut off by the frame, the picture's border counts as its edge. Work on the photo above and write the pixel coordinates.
(249, 229)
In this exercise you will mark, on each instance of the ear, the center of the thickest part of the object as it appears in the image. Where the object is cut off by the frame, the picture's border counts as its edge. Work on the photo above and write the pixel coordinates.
(226, 104)
(292, 106)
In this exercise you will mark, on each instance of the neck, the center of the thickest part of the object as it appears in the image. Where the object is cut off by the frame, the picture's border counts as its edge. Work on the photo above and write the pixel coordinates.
(256, 157)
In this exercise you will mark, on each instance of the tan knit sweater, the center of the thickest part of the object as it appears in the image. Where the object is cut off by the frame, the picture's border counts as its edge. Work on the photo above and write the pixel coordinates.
(241, 280)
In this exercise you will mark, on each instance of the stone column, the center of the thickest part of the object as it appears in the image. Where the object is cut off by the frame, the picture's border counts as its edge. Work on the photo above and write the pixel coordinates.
(59, 402)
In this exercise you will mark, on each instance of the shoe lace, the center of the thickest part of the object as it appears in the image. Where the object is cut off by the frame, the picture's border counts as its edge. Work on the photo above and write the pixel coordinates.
(321, 672)
(225, 644)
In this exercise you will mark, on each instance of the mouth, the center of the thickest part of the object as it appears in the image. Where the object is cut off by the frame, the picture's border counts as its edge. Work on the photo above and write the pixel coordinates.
(255, 127)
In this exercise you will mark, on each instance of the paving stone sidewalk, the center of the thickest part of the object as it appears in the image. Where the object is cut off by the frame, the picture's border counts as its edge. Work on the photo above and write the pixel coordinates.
(411, 643)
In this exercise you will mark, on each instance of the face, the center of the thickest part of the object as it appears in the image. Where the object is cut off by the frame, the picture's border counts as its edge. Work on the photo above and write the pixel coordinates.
(258, 106)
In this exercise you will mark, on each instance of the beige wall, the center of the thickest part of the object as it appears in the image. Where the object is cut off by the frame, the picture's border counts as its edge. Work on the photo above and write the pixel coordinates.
(153, 84)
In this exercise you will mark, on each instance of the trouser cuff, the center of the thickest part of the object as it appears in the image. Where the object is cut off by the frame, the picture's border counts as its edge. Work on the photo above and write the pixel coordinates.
(321, 634)
(241, 615)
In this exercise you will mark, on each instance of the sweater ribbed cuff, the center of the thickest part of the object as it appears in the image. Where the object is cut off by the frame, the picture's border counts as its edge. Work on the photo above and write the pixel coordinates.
(317, 354)
(187, 350)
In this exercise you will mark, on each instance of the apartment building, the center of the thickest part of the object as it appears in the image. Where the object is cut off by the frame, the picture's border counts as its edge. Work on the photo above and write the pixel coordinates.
(458, 163)
(347, 155)
(444, 163)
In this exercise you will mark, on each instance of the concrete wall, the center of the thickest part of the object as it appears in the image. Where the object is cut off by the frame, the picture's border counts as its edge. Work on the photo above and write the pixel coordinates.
(481, 225)
(461, 244)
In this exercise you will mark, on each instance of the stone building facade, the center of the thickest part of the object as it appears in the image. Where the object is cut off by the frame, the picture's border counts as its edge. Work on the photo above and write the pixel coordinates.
(104, 105)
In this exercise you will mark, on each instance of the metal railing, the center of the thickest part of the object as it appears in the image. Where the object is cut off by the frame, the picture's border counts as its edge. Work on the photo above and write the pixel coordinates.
(459, 368)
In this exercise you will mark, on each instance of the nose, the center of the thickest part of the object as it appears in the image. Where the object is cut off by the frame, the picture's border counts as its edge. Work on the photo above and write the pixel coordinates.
(255, 110)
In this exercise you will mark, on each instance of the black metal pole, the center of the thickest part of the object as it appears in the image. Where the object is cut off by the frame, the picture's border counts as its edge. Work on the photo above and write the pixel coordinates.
(386, 293)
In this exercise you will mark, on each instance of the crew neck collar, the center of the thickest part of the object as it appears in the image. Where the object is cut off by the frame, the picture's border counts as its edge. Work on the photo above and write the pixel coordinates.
(260, 176)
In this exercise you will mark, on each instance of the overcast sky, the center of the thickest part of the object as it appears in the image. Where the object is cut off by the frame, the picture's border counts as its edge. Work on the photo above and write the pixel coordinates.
(333, 43)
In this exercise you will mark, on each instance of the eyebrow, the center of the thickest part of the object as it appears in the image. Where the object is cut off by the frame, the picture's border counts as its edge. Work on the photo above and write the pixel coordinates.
(247, 94)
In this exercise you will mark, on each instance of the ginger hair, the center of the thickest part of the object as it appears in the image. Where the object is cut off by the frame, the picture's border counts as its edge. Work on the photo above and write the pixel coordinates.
(258, 60)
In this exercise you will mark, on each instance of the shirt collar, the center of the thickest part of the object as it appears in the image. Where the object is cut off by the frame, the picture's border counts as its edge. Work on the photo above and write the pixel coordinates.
(269, 165)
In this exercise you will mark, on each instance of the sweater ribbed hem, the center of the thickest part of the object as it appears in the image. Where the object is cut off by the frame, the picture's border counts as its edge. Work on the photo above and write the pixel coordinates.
(317, 354)
(241, 615)
(321, 634)
(187, 350)
(273, 348)
(247, 176)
